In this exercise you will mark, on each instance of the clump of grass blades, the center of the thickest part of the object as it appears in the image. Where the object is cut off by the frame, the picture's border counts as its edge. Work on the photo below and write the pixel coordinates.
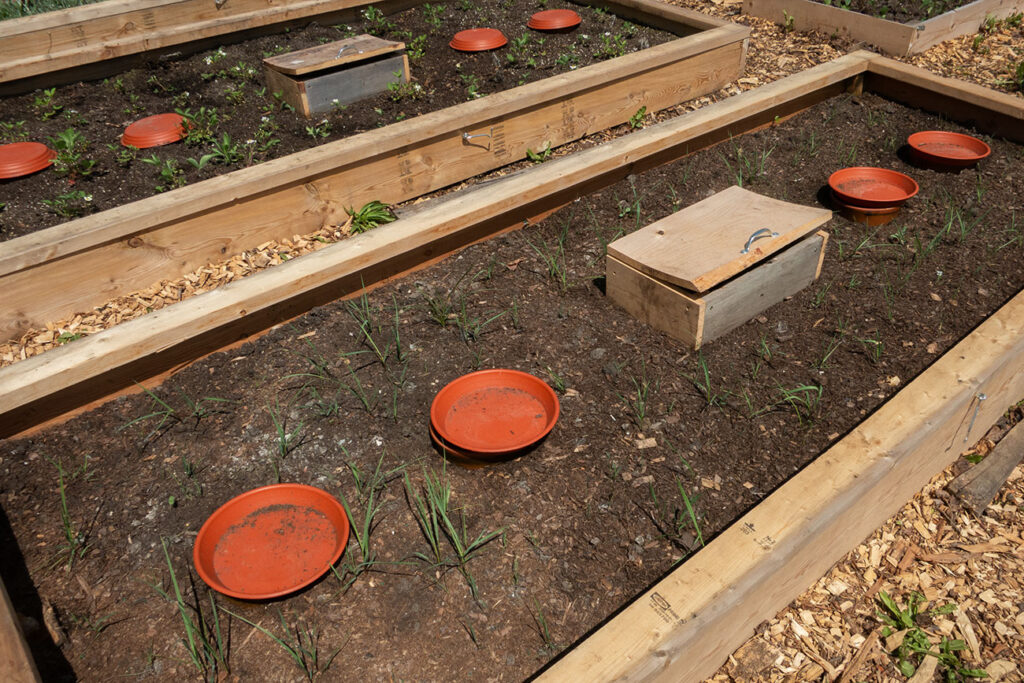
(75, 540)
(435, 517)
(369, 488)
(301, 644)
(204, 641)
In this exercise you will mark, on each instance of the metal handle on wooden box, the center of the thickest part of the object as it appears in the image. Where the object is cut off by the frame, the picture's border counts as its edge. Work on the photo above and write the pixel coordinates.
(763, 232)
(347, 47)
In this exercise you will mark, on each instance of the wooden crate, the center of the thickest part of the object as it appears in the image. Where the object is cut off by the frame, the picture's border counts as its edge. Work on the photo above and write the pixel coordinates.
(317, 79)
(711, 267)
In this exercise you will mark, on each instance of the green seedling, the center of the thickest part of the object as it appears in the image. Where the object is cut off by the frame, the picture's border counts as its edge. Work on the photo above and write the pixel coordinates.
(543, 630)
(206, 645)
(301, 643)
(804, 400)
(553, 256)
(540, 156)
(45, 105)
(702, 382)
(435, 517)
(371, 215)
(915, 645)
(71, 161)
(638, 402)
(171, 175)
(636, 121)
(287, 441)
(75, 540)
(70, 204)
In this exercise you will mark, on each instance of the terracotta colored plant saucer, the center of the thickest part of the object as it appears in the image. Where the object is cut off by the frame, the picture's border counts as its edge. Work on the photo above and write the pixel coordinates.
(22, 158)
(945, 150)
(271, 541)
(860, 214)
(153, 131)
(554, 20)
(872, 188)
(494, 411)
(478, 40)
(455, 454)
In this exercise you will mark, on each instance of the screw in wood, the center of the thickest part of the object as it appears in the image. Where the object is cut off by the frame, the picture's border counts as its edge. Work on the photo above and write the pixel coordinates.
(977, 406)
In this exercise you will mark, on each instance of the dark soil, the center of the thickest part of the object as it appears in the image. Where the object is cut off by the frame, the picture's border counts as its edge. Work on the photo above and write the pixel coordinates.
(590, 517)
(230, 81)
(901, 11)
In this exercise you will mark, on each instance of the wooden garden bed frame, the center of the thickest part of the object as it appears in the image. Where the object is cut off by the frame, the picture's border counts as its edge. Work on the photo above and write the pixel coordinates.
(891, 37)
(92, 41)
(55, 273)
(687, 624)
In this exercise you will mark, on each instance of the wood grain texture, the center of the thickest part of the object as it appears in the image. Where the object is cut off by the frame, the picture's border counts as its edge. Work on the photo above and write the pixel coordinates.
(766, 284)
(320, 57)
(702, 245)
(687, 624)
(661, 306)
(891, 37)
(979, 485)
(994, 112)
(961, 22)
(16, 664)
(130, 247)
(106, 30)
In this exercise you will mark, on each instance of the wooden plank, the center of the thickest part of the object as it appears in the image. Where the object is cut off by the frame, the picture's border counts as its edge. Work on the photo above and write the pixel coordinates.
(687, 624)
(16, 663)
(353, 83)
(651, 301)
(993, 112)
(320, 57)
(889, 36)
(68, 38)
(706, 243)
(734, 303)
(289, 89)
(961, 22)
(658, 14)
(979, 485)
(52, 383)
(127, 248)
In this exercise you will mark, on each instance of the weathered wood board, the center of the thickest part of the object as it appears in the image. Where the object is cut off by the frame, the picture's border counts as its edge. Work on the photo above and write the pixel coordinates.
(73, 267)
(891, 37)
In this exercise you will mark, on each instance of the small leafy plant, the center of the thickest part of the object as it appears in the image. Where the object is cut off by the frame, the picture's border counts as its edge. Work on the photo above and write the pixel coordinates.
(916, 645)
(372, 214)
(71, 161)
(171, 175)
(636, 121)
(45, 105)
(200, 128)
(70, 204)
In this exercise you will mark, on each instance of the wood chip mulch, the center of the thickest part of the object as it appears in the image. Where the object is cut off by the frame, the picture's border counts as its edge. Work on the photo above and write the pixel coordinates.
(933, 547)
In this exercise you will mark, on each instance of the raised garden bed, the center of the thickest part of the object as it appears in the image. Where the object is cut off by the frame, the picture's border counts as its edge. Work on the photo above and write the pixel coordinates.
(99, 39)
(892, 37)
(130, 247)
(541, 326)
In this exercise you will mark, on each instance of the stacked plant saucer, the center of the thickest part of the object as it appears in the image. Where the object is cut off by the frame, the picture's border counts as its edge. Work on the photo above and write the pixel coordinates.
(492, 416)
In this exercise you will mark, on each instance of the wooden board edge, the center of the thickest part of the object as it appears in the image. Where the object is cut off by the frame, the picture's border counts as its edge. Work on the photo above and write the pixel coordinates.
(994, 112)
(962, 21)
(16, 663)
(124, 221)
(803, 15)
(688, 623)
(24, 386)
(821, 257)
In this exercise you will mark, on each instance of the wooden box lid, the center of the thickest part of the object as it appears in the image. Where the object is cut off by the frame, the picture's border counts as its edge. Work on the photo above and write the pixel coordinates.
(703, 245)
(327, 55)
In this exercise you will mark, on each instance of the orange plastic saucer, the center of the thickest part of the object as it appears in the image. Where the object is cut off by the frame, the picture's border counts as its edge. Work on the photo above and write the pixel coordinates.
(271, 541)
(947, 150)
(554, 20)
(494, 411)
(153, 131)
(22, 158)
(478, 40)
(872, 188)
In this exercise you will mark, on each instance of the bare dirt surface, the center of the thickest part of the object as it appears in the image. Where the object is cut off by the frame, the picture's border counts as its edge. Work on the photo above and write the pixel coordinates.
(589, 518)
(225, 90)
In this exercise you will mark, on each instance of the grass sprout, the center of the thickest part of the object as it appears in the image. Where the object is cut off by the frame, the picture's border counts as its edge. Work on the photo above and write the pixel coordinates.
(206, 644)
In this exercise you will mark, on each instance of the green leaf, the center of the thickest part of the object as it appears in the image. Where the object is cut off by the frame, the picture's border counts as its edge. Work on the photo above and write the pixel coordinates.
(906, 668)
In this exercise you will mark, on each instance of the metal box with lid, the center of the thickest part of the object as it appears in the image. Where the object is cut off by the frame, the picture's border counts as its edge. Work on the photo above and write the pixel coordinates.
(320, 78)
(716, 264)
